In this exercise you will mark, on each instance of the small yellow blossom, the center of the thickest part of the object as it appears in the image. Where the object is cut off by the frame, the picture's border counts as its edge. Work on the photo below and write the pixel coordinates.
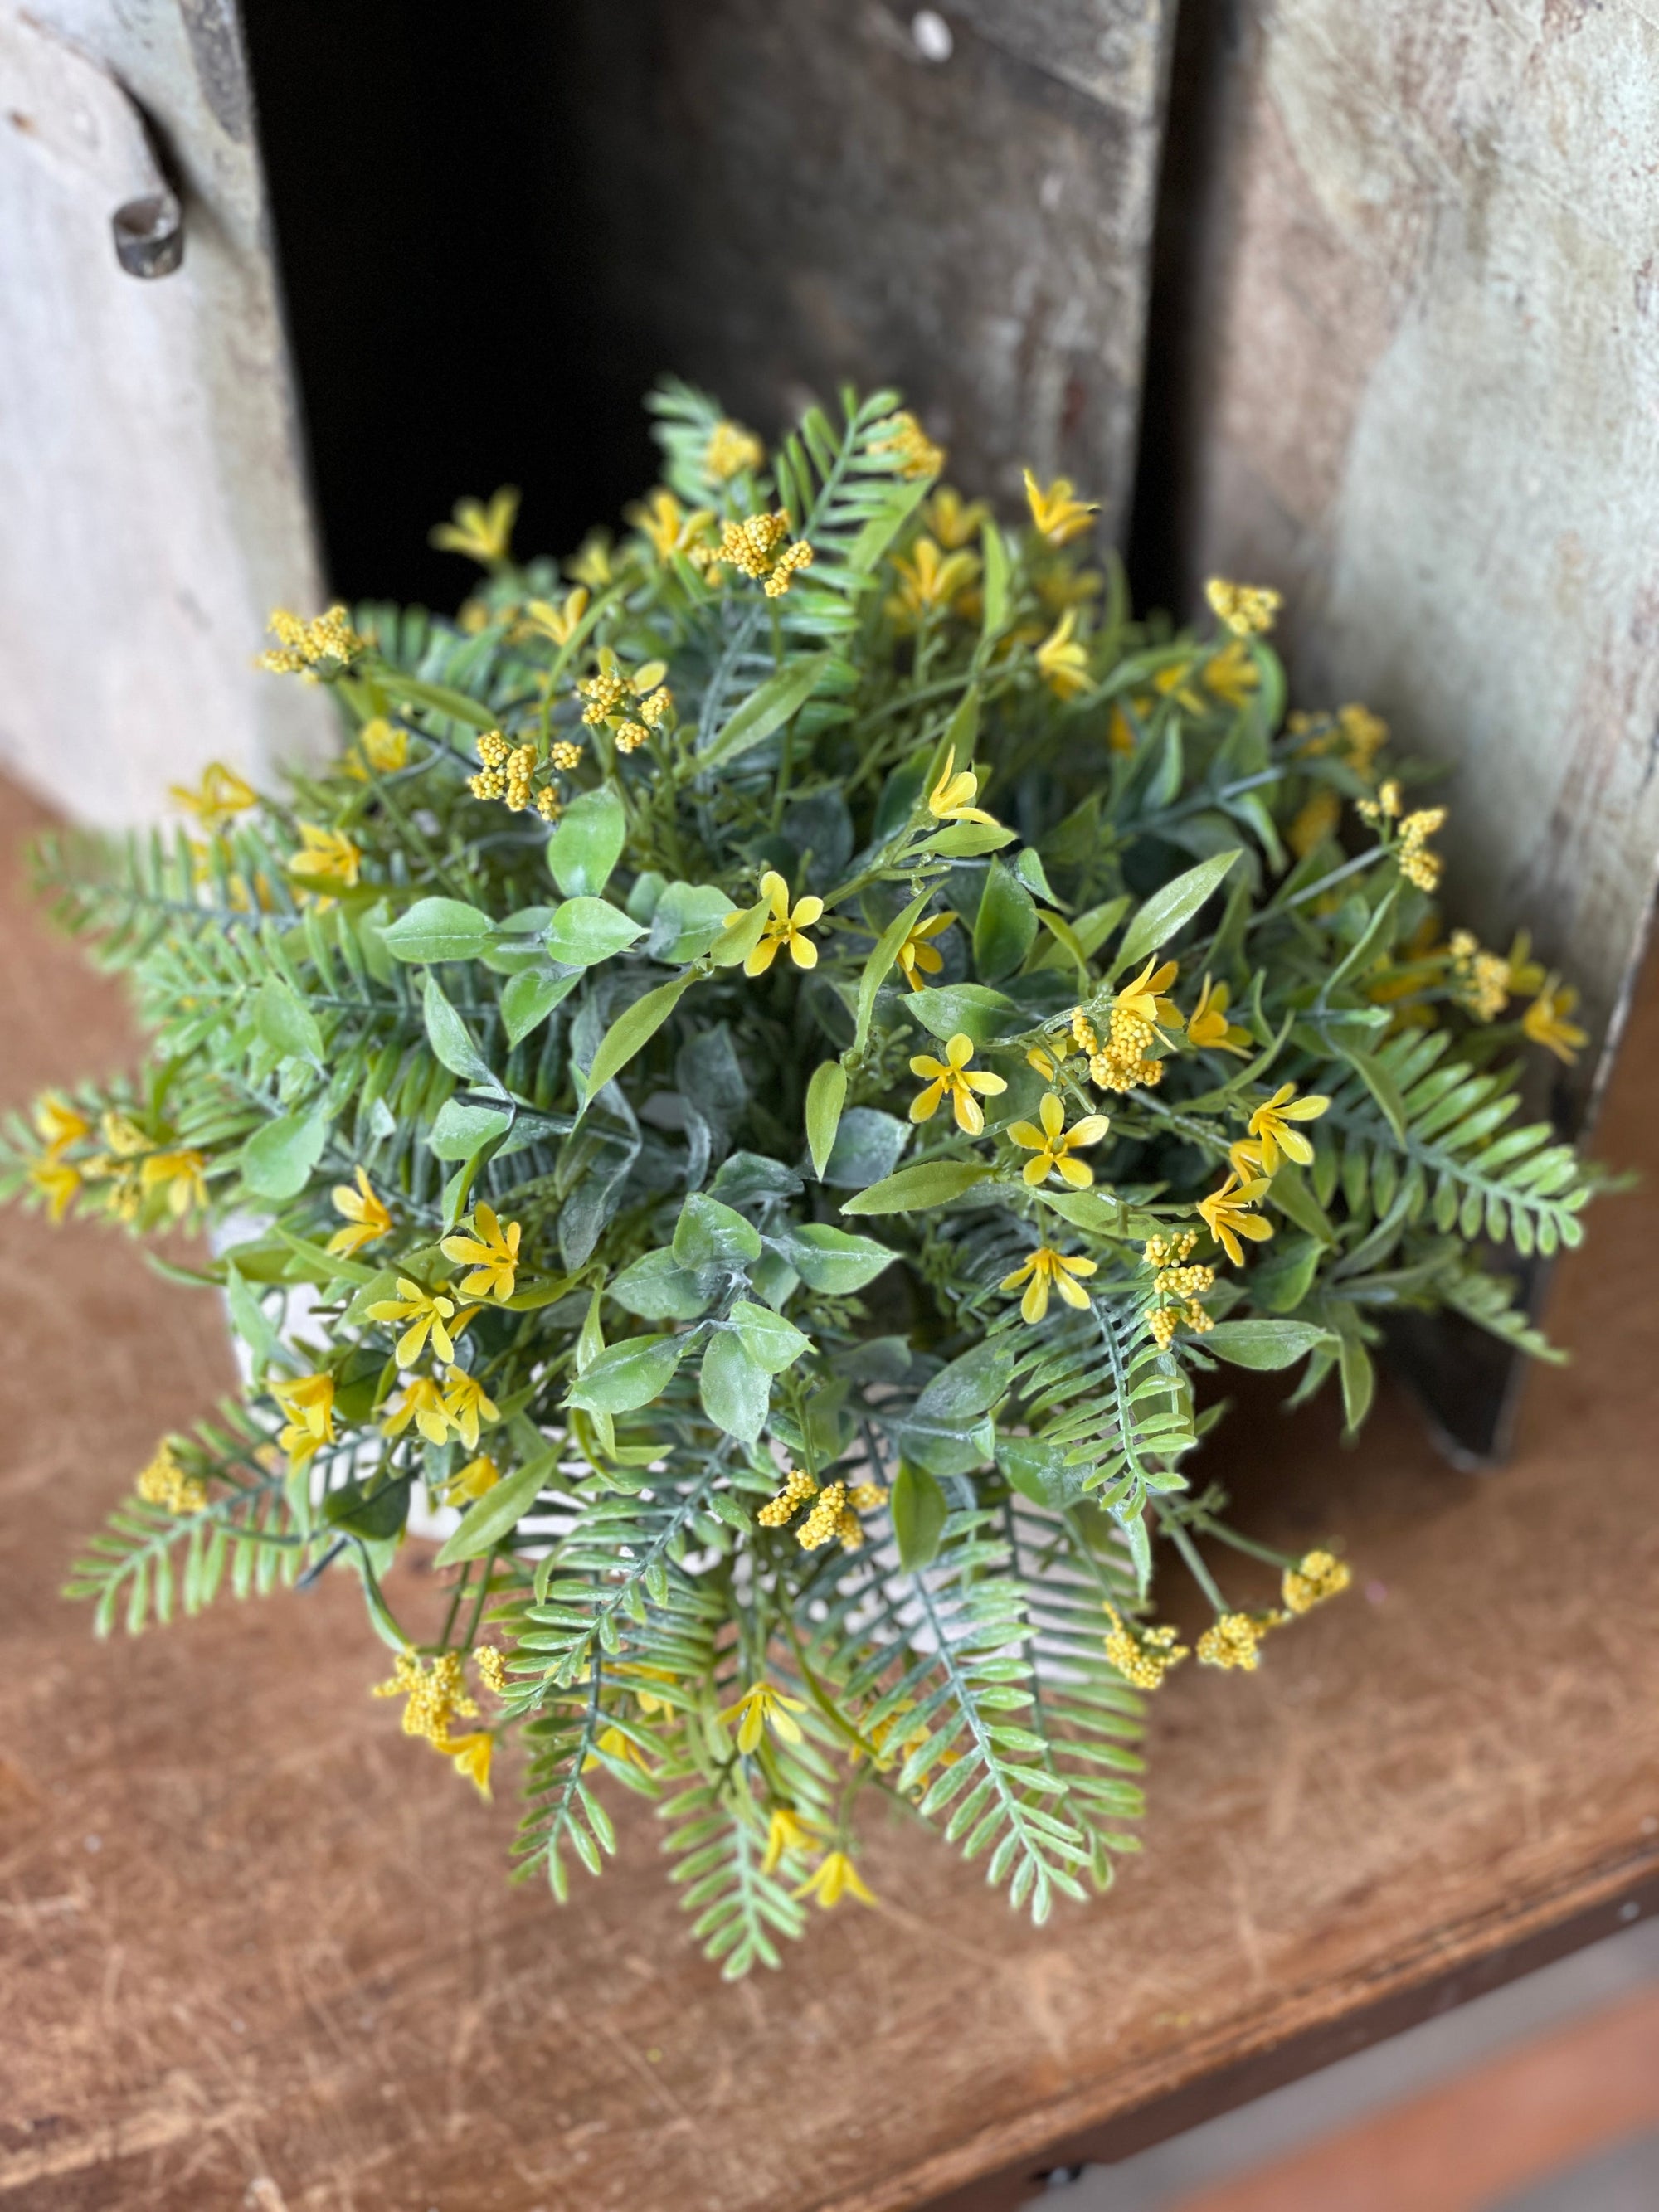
(1142, 1656)
(60, 1125)
(1545, 1021)
(671, 530)
(615, 1743)
(427, 1314)
(785, 1831)
(164, 1482)
(954, 1078)
(1208, 1026)
(326, 854)
(1056, 513)
(422, 1403)
(466, 1406)
(367, 1218)
(1144, 1000)
(471, 1755)
(491, 1251)
(1481, 981)
(786, 926)
(1226, 1215)
(1526, 975)
(491, 1663)
(1417, 865)
(918, 956)
(835, 1877)
(754, 547)
(433, 1696)
(1062, 660)
(1231, 674)
(951, 798)
(220, 796)
(1315, 1578)
(180, 1175)
(952, 521)
(778, 1512)
(470, 1481)
(730, 449)
(592, 563)
(1053, 1144)
(929, 580)
(916, 453)
(57, 1182)
(1234, 1640)
(762, 1707)
(559, 623)
(308, 1401)
(1247, 609)
(302, 645)
(1270, 1125)
(1315, 822)
(1244, 1158)
(1046, 1270)
(484, 534)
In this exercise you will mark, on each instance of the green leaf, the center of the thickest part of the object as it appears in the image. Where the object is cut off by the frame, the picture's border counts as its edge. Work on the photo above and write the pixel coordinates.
(710, 1235)
(965, 841)
(461, 1128)
(919, 1509)
(1038, 1469)
(628, 1376)
(738, 941)
(1292, 1193)
(826, 1094)
(450, 1038)
(1167, 909)
(375, 1515)
(735, 1389)
(688, 921)
(1359, 1381)
(278, 1160)
(1265, 1343)
(1380, 1083)
(770, 1340)
(928, 1182)
(587, 843)
(995, 553)
(971, 1008)
(657, 1288)
(1006, 926)
(867, 1147)
(498, 1512)
(248, 1319)
(877, 967)
(832, 1260)
(530, 997)
(439, 929)
(633, 1027)
(286, 1023)
(585, 931)
(767, 708)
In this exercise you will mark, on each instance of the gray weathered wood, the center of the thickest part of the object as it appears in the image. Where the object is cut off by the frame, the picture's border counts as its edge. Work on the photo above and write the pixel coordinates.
(150, 471)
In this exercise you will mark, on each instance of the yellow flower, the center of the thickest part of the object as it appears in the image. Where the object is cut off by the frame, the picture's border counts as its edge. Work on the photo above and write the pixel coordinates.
(471, 1755)
(484, 534)
(663, 520)
(327, 852)
(1234, 1640)
(308, 1401)
(1315, 1578)
(1057, 514)
(1053, 1144)
(560, 623)
(180, 1174)
(221, 797)
(491, 1251)
(1417, 864)
(1143, 1000)
(918, 456)
(1247, 609)
(1062, 660)
(466, 1406)
(953, 520)
(928, 581)
(164, 1482)
(1225, 1215)
(425, 1314)
(366, 1215)
(834, 1878)
(1244, 1157)
(591, 563)
(433, 1696)
(785, 1831)
(60, 1125)
(1208, 1025)
(1046, 1270)
(471, 1482)
(729, 449)
(1526, 975)
(1546, 1023)
(918, 952)
(57, 1183)
(953, 1076)
(422, 1402)
(1316, 821)
(380, 745)
(951, 798)
(1270, 1125)
(762, 1707)
(784, 928)
(615, 1745)
(1231, 674)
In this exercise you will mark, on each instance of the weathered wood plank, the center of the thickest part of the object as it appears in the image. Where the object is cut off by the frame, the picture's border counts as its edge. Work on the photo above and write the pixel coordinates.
(151, 471)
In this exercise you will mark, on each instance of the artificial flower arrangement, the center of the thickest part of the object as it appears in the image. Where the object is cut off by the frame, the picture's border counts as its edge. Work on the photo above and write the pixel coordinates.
(780, 1055)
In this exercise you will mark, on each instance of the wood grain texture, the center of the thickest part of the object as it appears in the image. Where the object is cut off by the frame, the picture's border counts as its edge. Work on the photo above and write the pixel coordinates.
(150, 468)
(806, 198)
(258, 1947)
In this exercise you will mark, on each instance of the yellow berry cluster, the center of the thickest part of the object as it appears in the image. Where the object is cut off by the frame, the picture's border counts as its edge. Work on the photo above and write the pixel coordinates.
(1142, 1656)
(754, 547)
(835, 1515)
(616, 698)
(434, 1697)
(601, 695)
(1234, 1640)
(730, 449)
(491, 1663)
(1247, 609)
(916, 453)
(164, 1482)
(506, 772)
(300, 645)
(1178, 1286)
(1315, 1578)
(1353, 732)
(1481, 981)
(1122, 1062)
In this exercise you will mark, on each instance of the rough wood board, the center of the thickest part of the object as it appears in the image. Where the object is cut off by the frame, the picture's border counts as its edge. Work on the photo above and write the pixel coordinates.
(805, 197)
(250, 1934)
(150, 468)
(1421, 390)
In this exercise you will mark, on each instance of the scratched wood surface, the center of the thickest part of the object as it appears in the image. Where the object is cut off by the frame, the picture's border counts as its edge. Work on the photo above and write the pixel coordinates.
(257, 1947)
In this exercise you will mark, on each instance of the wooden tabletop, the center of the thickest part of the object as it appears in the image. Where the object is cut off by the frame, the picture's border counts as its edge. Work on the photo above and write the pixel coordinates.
(257, 1949)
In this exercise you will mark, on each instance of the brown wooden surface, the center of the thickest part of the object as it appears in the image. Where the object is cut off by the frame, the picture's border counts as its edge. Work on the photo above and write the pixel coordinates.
(257, 1948)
